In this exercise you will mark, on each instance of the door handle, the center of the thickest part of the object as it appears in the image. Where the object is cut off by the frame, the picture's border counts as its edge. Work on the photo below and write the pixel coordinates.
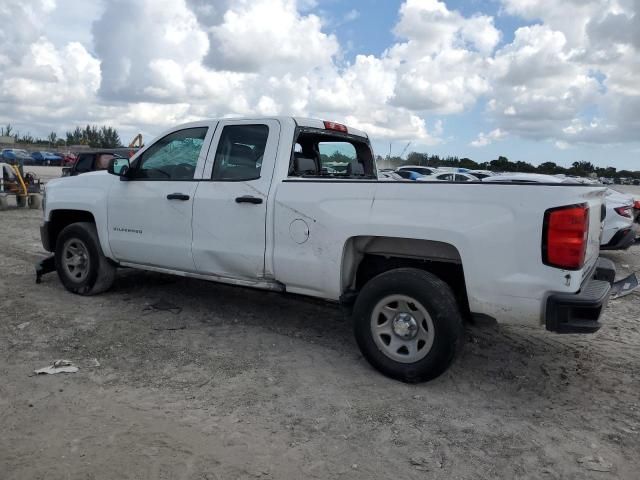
(177, 196)
(249, 199)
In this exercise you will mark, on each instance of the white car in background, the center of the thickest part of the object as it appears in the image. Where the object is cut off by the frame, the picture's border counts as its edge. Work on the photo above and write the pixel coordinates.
(618, 232)
(450, 177)
(388, 176)
(481, 174)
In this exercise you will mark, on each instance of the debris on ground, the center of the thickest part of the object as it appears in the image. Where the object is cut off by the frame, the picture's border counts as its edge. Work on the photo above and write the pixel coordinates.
(625, 286)
(168, 326)
(59, 366)
(161, 306)
(95, 362)
(595, 463)
(424, 463)
(22, 326)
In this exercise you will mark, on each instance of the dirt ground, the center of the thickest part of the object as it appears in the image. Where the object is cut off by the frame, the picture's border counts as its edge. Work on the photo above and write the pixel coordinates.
(239, 384)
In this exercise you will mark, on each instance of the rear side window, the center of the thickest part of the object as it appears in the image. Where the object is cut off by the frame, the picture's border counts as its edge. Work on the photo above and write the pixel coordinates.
(240, 152)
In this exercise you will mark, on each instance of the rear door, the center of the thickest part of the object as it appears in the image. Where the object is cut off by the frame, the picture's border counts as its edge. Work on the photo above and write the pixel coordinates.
(150, 214)
(230, 207)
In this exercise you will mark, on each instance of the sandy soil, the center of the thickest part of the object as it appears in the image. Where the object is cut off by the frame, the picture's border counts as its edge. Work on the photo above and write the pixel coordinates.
(244, 384)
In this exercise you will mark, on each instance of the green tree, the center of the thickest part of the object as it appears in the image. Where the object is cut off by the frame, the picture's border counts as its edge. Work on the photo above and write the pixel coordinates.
(109, 137)
(416, 158)
(502, 164)
(550, 168)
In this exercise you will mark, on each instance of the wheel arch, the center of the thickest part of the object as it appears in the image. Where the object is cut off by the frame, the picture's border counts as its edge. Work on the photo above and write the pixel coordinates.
(59, 219)
(365, 257)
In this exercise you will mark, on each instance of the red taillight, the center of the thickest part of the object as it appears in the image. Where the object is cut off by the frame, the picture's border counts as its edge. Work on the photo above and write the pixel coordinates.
(636, 204)
(564, 241)
(338, 127)
(624, 211)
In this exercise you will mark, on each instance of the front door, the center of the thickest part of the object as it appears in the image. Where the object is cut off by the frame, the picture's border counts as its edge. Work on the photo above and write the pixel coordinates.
(230, 208)
(150, 213)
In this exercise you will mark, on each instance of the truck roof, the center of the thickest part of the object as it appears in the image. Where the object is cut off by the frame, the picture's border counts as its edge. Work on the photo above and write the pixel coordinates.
(316, 123)
(299, 121)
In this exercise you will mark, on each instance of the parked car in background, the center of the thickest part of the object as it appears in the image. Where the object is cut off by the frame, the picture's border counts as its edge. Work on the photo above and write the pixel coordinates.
(389, 176)
(617, 232)
(409, 174)
(46, 158)
(13, 155)
(90, 162)
(418, 169)
(68, 158)
(452, 177)
(481, 174)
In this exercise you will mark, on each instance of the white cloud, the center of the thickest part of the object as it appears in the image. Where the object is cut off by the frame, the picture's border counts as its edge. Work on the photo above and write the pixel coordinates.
(485, 139)
(270, 35)
(573, 77)
(351, 15)
(570, 77)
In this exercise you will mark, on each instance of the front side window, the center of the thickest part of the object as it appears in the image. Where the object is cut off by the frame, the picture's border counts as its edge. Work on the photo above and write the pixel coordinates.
(173, 157)
(239, 153)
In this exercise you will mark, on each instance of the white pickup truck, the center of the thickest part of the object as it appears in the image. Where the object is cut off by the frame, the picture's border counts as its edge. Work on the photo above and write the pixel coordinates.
(294, 205)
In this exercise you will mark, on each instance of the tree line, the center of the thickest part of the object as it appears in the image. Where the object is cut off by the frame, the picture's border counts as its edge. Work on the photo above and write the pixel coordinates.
(503, 164)
(93, 136)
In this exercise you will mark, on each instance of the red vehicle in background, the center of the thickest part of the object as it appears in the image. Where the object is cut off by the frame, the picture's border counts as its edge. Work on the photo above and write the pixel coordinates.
(68, 159)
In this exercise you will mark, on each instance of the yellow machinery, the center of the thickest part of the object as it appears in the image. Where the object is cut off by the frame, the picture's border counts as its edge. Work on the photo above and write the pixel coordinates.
(135, 144)
(26, 188)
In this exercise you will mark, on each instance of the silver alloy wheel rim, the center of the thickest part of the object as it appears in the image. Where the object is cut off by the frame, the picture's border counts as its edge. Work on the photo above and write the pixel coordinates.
(402, 328)
(75, 259)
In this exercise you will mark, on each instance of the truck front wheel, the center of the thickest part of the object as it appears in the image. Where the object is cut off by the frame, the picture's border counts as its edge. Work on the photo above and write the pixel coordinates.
(81, 265)
(408, 325)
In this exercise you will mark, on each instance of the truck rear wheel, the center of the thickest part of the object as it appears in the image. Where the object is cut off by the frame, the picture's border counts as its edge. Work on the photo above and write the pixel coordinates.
(408, 325)
(81, 265)
(4, 202)
(21, 201)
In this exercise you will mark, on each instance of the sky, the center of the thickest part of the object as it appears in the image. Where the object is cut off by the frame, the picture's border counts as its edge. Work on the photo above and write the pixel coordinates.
(532, 80)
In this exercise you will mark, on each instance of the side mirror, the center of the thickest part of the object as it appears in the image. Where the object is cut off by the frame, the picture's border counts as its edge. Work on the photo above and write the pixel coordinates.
(118, 166)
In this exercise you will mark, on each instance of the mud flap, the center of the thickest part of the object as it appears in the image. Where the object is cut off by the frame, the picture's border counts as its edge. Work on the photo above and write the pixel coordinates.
(46, 265)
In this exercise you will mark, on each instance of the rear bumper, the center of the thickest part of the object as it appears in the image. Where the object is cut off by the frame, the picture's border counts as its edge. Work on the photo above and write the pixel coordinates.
(622, 240)
(580, 312)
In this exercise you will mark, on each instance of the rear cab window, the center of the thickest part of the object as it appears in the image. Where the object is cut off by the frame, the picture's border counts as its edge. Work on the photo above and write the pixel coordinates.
(328, 154)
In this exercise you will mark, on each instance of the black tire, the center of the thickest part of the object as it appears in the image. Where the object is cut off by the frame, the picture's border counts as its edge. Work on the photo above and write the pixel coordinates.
(4, 202)
(35, 201)
(21, 201)
(100, 272)
(436, 298)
